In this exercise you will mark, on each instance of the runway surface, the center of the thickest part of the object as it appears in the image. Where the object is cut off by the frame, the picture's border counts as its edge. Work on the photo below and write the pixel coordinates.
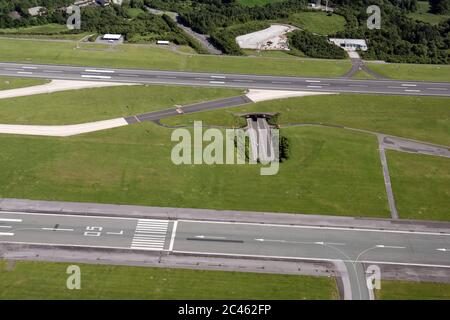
(343, 85)
(341, 245)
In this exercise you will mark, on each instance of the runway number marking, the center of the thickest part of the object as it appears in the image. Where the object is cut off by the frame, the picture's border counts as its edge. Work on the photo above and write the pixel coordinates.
(93, 231)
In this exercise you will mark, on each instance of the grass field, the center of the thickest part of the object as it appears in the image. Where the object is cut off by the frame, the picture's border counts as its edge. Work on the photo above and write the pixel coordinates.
(330, 172)
(403, 290)
(421, 185)
(46, 31)
(41, 280)
(421, 118)
(422, 14)
(138, 56)
(423, 72)
(318, 22)
(7, 83)
(78, 106)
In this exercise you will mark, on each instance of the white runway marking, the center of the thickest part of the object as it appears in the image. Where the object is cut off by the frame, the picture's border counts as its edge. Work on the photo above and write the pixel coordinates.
(95, 77)
(24, 72)
(312, 81)
(53, 229)
(217, 82)
(150, 234)
(99, 71)
(412, 90)
(218, 77)
(409, 85)
(315, 87)
(6, 234)
(10, 220)
(33, 68)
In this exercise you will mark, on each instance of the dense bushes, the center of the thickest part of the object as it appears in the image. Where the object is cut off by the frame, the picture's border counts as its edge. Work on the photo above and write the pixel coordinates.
(315, 46)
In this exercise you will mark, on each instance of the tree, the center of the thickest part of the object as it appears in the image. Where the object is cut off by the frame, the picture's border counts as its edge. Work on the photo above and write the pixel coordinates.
(440, 6)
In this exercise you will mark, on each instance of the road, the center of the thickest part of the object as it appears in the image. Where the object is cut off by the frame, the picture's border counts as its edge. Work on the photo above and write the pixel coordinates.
(227, 239)
(343, 85)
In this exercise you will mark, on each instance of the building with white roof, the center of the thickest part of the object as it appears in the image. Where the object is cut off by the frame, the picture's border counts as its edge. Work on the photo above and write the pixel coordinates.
(350, 44)
(113, 37)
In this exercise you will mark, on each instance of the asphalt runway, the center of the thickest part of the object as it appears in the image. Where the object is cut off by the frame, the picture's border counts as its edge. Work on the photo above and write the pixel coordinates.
(351, 247)
(342, 85)
(230, 239)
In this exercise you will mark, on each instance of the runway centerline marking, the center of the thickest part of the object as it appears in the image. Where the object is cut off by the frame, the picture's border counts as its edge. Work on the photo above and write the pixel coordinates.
(217, 82)
(6, 234)
(10, 220)
(94, 76)
(99, 71)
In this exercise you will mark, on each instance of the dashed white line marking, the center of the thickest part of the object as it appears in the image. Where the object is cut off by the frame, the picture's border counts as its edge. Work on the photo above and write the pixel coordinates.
(412, 90)
(33, 68)
(53, 229)
(10, 220)
(315, 87)
(218, 77)
(6, 234)
(6, 227)
(312, 81)
(96, 77)
(99, 71)
(217, 82)
(409, 85)
(24, 72)
(389, 247)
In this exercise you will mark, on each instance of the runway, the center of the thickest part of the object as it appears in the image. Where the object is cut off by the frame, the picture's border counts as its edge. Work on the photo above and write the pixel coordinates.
(352, 247)
(333, 85)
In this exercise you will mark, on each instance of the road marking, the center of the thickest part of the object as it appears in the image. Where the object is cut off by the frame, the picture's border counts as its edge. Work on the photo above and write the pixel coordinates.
(218, 77)
(172, 237)
(315, 87)
(10, 220)
(150, 234)
(6, 227)
(409, 85)
(309, 259)
(412, 90)
(55, 229)
(33, 68)
(99, 71)
(217, 82)
(312, 81)
(116, 233)
(96, 77)
(6, 234)
(24, 72)
(443, 249)
(206, 237)
(389, 247)
(320, 227)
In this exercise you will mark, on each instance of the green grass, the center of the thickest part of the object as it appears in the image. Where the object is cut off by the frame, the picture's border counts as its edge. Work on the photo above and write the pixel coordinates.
(425, 72)
(331, 172)
(46, 28)
(404, 290)
(421, 118)
(134, 12)
(41, 280)
(421, 185)
(422, 14)
(7, 83)
(78, 106)
(318, 22)
(138, 56)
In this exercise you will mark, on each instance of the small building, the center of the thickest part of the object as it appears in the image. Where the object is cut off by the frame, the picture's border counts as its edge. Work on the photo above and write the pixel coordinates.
(111, 37)
(14, 15)
(163, 42)
(36, 11)
(350, 44)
